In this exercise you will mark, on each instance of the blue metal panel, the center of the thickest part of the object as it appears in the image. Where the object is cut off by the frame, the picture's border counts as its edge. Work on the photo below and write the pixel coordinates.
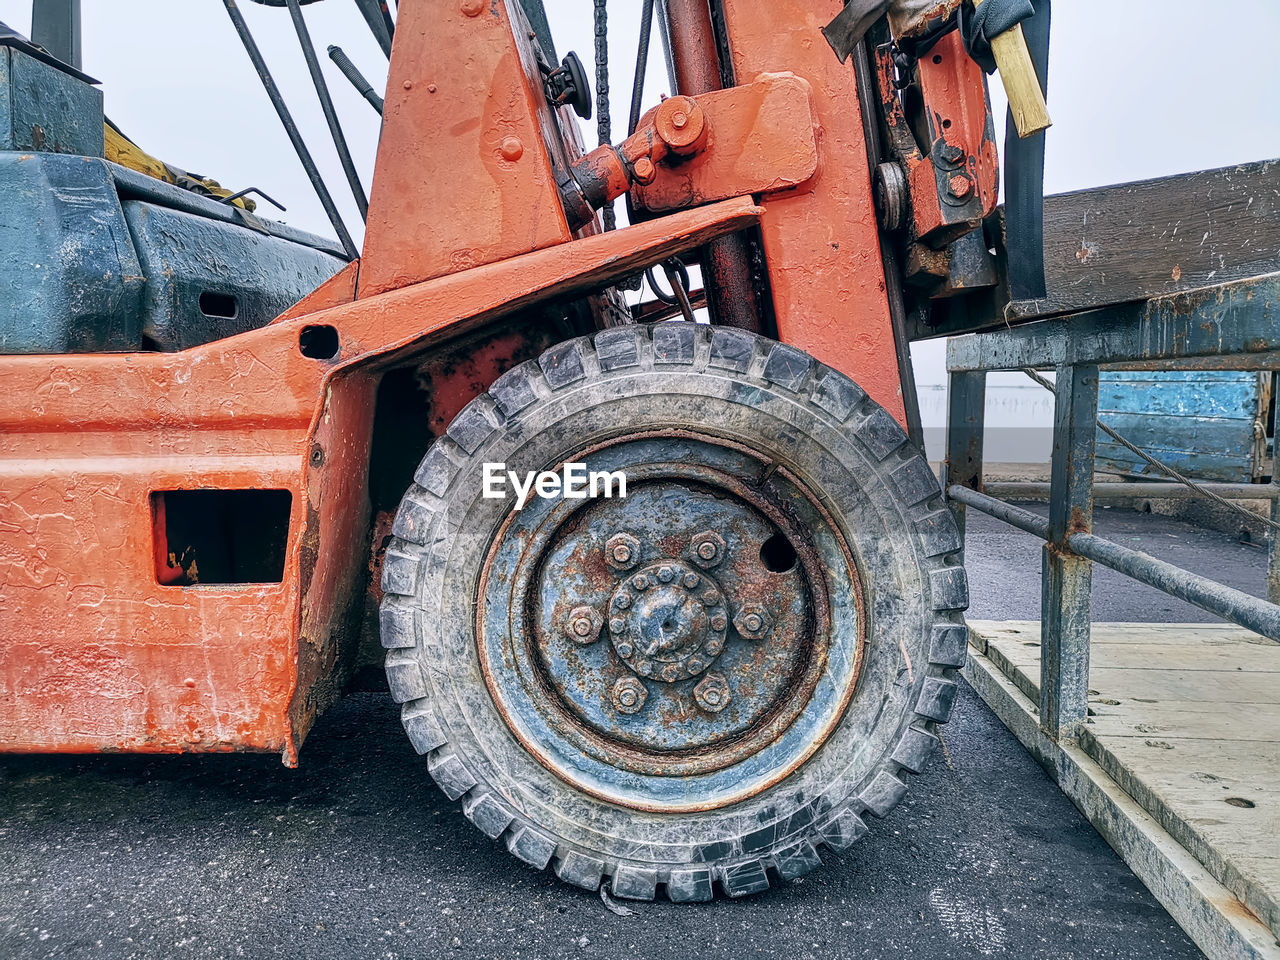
(1206, 424)
(69, 278)
(47, 110)
(207, 280)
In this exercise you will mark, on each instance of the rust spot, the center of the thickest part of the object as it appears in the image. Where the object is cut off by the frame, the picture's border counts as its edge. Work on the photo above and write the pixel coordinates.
(1176, 273)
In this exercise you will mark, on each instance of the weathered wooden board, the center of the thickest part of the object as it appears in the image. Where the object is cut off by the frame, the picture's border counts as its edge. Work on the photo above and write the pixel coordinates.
(1186, 786)
(1183, 719)
(1028, 631)
(1210, 912)
(1133, 241)
(1209, 425)
(1186, 719)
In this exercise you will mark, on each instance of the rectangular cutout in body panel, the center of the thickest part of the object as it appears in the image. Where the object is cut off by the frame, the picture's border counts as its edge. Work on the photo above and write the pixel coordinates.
(220, 536)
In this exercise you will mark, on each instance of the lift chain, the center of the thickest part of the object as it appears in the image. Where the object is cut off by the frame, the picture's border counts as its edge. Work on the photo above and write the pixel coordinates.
(604, 119)
(1164, 468)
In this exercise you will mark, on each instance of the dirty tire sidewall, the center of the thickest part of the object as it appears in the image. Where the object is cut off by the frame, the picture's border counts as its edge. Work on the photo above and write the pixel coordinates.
(766, 396)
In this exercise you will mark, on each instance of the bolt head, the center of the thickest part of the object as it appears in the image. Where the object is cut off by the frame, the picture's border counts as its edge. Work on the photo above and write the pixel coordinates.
(622, 551)
(512, 149)
(618, 625)
(622, 601)
(752, 621)
(691, 580)
(624, 650)
(708, 548)
(582, 625)
(666, 574)
(719, 622)
(959, 186)
(712, 693)
(679, 119)
(628, 695)
(644, 170)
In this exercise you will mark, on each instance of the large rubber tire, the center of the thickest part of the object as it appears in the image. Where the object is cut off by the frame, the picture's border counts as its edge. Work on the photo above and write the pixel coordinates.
(767, 396)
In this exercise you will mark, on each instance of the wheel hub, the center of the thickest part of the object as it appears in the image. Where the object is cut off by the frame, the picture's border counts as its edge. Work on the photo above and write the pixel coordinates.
(667, 635)
(668, 621)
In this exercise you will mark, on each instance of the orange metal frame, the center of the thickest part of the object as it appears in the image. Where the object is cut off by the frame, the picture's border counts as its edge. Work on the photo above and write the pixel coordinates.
(465, 228)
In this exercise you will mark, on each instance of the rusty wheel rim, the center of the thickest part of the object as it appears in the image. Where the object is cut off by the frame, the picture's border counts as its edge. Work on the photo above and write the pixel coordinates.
(684, 648)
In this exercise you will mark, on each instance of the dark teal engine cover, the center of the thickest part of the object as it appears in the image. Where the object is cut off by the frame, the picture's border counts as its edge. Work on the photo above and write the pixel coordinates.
(94, 257)
(207, 280)
(70, 280)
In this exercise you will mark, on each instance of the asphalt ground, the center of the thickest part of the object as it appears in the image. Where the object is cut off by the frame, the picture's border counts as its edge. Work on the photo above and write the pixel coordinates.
(356, 854)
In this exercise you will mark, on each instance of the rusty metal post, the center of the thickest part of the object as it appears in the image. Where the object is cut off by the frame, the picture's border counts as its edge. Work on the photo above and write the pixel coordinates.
(1273, 555)
(726, 269)
(966, 419)
(1067, 580)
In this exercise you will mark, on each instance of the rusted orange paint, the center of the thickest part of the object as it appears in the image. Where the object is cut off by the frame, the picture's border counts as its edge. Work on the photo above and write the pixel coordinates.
(955, 97)
(821, 240)
(466, 227)
(761, 138)
(444, 197)
(95, 654)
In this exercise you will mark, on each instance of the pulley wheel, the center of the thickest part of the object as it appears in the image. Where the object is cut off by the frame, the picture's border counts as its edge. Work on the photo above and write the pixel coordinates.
(706, 682)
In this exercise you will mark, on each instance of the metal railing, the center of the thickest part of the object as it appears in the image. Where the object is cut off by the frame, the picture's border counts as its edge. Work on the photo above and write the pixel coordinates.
(1187, 331)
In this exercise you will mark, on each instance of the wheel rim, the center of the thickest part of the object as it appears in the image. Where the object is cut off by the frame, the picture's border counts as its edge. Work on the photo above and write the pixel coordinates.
(683, 648)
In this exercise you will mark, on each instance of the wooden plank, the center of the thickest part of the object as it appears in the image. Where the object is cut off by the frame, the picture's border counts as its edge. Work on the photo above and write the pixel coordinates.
(1139, 240)
(1207, 910)
(1163, 633)
(1185, 785)
(1214, 394)
(1186, 720)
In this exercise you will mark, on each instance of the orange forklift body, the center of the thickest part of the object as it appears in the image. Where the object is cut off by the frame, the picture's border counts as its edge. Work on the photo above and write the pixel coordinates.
(103, 647)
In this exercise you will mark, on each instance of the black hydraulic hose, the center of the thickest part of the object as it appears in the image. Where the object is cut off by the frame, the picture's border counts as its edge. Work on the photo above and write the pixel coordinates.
(326, 104)
(352, 73)
(376, 16)
(291, 128)
(1024, 178)
(642, 60)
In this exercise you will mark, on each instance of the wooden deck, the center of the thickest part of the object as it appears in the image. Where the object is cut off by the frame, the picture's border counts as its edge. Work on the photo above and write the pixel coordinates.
(1185, 719)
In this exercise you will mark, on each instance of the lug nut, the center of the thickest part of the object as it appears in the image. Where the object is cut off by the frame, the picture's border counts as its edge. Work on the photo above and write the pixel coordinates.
(629, 695)
(712, 693)
(752, 621)
(708, 548)
(582, 625)
(622, 551)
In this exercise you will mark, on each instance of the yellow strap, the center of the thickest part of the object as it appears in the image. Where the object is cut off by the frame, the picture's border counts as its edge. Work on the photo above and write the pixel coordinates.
(120, 149)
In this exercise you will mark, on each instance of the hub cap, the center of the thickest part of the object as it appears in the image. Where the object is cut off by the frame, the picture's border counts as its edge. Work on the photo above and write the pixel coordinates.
(676, 648)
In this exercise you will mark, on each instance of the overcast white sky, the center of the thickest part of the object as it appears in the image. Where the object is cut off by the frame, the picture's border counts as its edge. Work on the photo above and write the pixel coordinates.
(1138, 89)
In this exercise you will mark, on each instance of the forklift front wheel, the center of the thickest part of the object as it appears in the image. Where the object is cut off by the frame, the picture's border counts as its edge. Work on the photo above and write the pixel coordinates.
(673, 608)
